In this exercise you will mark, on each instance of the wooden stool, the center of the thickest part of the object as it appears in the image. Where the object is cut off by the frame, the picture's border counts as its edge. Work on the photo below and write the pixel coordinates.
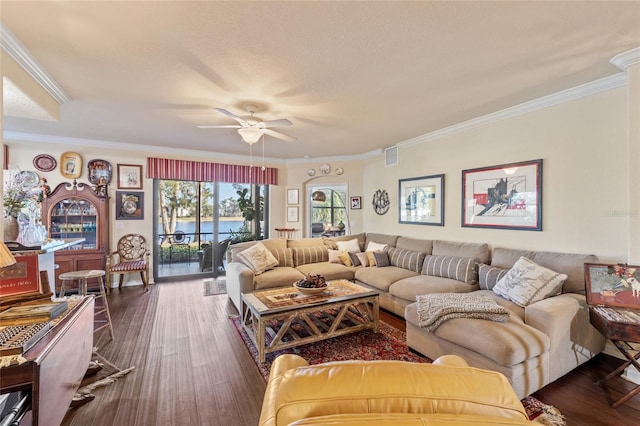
(82, 277)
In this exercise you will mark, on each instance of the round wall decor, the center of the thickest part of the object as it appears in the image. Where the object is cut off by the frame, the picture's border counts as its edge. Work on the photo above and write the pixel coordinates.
(44, 162)
(381, 201)
(311, 172)
(325, 169)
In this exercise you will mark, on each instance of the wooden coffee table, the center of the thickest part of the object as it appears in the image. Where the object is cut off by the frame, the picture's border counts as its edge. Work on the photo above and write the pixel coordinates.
(282, 318)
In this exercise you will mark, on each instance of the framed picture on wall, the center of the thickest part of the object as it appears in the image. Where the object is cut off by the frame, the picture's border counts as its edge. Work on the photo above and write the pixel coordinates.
(129, 176)
(421, 200)
(356, 203)
(292, 214)
(508, 196)
(292, 196)
(129, 205)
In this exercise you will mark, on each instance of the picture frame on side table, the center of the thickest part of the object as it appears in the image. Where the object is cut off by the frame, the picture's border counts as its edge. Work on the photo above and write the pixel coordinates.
(293, 196)
(507, 196)
(129, 176)
(129, 205)
(356, 203)
(612, 285)
(421, 200)
(292, 214)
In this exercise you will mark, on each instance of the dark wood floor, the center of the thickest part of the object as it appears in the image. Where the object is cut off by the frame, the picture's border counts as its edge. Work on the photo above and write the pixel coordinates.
(193, 369)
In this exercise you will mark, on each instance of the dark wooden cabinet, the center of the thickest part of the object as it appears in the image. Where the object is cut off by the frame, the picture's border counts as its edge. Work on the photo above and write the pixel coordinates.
(75, 211)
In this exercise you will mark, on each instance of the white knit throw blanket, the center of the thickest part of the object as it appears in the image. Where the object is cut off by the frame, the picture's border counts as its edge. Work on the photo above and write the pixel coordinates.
(434, 309)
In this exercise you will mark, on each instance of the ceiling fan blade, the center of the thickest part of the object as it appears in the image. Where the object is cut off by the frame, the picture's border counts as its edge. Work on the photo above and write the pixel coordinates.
(232, 115)
(230, 126)
(277, 123)
(278, 135)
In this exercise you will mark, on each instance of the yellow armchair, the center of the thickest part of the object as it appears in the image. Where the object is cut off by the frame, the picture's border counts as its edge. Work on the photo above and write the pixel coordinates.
(355, 393)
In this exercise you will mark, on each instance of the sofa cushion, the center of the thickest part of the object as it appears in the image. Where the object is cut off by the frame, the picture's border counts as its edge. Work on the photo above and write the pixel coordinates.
(571, 264)
(330, 271)
(489, 275)
(415, 244)
(382, 278)
(361, 237)
(334, 256)
(355, 260)
(454, 267)
(258, 258)
(527, 283)
(480, 252)
(271, 244)
(407, 259)
(306, 242)
(409, 288)
(373, 246)
(351, 246)
(284, 256)
(345, 258)
(363, 259)
(387, 239)
(310, 254)
(283, 276)
(507, 343)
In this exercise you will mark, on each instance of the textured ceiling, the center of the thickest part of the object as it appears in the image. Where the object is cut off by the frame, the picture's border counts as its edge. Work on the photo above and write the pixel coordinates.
(351, 76)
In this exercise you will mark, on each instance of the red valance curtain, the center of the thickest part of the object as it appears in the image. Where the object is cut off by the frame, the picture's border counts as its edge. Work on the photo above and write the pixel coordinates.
(164, 168)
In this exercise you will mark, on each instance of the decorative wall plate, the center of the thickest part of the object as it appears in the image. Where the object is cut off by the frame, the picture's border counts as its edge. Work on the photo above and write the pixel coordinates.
(44, 162)
(311, 172)
(100, 172)
(70, 165)
(325, 169)
(381, 201)
(28, 179)
(339, 171)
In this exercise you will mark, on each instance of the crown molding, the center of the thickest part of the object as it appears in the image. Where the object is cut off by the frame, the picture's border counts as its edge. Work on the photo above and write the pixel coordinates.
(577, 92)
(31, 137)
(23, 57)
(625, 59)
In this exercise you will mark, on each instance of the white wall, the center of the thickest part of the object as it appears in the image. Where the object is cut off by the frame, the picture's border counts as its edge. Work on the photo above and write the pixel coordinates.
(583, 144)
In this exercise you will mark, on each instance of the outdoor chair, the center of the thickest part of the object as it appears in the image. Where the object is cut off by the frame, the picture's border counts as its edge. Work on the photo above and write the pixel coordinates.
(317, 229)
(177, 240)
(132, 255)
(207, 255)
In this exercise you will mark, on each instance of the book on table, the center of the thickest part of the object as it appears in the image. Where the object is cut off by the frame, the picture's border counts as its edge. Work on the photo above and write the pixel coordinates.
(32, 313)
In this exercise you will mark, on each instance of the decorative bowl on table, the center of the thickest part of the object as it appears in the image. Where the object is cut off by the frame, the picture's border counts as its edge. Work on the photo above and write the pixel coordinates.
(311, 284)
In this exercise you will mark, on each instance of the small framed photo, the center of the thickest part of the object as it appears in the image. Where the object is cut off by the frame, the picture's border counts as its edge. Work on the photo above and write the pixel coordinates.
(421, 200)
(129, 176)
(292, 214)
(292, 196)
(508, 196)
(129, 205)
(356, 203)
(612, 285)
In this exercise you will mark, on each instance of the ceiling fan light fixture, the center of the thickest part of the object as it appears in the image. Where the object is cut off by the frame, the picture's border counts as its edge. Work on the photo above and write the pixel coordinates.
(318, 196)
(250, 135)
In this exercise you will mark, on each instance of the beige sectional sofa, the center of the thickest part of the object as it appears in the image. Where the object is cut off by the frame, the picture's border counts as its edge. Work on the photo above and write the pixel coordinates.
(538, 344)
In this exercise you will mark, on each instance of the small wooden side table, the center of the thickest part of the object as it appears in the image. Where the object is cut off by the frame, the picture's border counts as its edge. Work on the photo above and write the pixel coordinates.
(621, 334)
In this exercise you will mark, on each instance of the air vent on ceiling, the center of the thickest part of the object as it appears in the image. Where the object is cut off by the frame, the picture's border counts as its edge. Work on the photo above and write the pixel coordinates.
(391, 156)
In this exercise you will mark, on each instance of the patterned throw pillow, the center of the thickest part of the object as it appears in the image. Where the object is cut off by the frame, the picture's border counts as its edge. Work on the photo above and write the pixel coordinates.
(488, 275)
(284, 256)
(258, 258)
(313, 254)
(457, 268)
(382, 258)
(370, 258)
(527, 283)
(406, 259)
(345, 258)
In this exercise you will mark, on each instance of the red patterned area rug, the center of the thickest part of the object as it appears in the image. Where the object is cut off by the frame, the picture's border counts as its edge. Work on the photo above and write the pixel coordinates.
(388, 344)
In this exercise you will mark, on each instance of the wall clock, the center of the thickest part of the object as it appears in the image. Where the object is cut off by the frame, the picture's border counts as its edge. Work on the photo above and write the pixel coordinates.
(381, 201)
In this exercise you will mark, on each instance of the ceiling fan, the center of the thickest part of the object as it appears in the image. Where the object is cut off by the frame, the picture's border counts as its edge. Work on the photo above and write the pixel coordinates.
(251, 127)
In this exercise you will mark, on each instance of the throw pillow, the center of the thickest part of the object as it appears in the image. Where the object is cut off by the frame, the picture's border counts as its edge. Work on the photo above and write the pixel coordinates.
(488, 276)
(454, 267)
(406, 259)
(334, 256)
(284, 256)
(527, 283)
(258, 258)
(351, 246)
(355, 259)
(370, 258)
(362, 258)
(311, 254)
(382, 258)
(345, 258)
(373, 246)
